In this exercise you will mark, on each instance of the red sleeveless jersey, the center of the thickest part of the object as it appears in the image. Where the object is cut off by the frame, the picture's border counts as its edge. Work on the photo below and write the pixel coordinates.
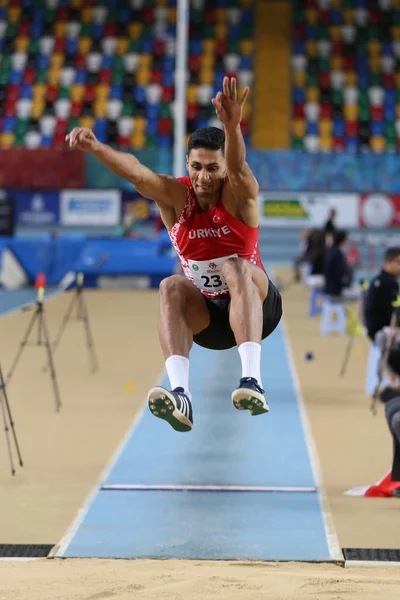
(204, 240)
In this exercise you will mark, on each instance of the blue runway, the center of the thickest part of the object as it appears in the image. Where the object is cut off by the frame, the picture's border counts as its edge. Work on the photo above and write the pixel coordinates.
(236, 487)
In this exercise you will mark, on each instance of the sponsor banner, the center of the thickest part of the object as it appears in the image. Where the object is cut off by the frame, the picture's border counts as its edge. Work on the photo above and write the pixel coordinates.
(90, 208)
(36, 209)
(307, 209)
(6, 213)
(378, 210)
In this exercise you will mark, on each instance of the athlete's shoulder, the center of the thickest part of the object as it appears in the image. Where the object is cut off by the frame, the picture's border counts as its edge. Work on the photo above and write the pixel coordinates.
(186, 181)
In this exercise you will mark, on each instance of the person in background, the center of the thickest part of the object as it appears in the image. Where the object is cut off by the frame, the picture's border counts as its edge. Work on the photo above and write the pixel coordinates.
(378, 308)
(316, 253)
(301, 258)
(390, 396)
(330, 228)
(336, 270)
(382, 292)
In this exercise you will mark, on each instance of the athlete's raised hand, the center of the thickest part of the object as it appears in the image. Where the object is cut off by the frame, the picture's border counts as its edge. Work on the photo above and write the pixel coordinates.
(227, 105)
(82, 138)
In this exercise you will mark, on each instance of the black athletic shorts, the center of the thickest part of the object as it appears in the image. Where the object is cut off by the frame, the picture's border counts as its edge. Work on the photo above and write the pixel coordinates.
(219, 335)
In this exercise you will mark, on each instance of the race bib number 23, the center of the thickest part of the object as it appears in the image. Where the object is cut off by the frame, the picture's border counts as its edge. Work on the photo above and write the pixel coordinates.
(207, 274)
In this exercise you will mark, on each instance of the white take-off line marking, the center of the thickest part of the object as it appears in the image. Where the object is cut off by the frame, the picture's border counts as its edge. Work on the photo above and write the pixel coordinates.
(331, 535)
(128, 487)
(378, 564)
(67, 538)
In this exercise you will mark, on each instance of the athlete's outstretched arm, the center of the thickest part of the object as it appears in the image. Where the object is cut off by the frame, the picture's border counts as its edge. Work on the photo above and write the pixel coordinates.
(161, 188)
(229, 111)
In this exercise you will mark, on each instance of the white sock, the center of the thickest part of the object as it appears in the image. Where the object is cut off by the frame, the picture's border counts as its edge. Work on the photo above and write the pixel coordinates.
(178, 372)
(250, 355)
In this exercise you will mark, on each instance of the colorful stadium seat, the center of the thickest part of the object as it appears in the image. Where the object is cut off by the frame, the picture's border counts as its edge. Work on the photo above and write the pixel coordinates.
(344, 82)
(111, 66)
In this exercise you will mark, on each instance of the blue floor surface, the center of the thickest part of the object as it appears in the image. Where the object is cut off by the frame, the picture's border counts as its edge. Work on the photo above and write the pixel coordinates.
(225, 448)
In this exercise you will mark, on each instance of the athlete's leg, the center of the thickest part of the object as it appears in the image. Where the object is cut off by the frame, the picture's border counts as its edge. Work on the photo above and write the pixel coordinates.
(248, 288)
(183, 313)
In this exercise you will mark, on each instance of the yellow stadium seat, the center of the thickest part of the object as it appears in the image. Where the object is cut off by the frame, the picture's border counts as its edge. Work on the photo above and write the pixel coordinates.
(138, 140)
(335, 33)
(325, 127)
(348, 16)
(60, 29)
(221, 16)
(37, 109)
(143, 76)
(299, 127)
(398, 111)
(161, 3)
(7, 140)
(337, 3)
(84, 45)
(135, 30)
(374, 63)
(144, 61)
(39, 91)
(122, 45)
(299, 78)
(102, 91)
(312, 94)
(208, 46)
(14, 14)
(378, 143)
(396, 3)
(100, 108)
(221, 31)
(350, 79)
(172, 15)
(350, 112)
(396, 33)
(311, 49)
(191, 94)
(21, 44)
(87, 14)
(312, 16)
(325, 143)
(247, 3)
(86, 121)
(53, 76)
(76, 3)
(3, 3)
(139, 125)
(57, 60)
(397, 79)
(207, 61)
(337, 63)
(246, 47)
(77, 92)
(206, 76)
(374, 47)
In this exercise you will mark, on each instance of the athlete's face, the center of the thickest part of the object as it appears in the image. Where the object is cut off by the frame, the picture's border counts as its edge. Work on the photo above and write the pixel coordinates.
(207, 171)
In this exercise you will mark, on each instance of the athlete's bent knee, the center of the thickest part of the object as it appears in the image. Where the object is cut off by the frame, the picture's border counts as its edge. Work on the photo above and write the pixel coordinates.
(235, 270)
(171, 286)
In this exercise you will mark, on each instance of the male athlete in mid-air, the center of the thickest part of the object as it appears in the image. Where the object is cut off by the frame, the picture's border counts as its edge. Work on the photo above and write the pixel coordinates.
(224, 297)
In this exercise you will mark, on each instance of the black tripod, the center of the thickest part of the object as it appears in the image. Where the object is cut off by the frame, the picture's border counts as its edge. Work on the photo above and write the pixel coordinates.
(82, 315)
(42, 340)
(8, 424)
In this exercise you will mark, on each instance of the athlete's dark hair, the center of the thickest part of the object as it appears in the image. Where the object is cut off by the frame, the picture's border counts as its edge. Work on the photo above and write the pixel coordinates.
(392, 253)
(207, 137)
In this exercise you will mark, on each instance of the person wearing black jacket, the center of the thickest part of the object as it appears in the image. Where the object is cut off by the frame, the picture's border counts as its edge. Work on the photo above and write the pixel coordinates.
(336, 270)
(378, 308)
(391, 398)
(382, 292)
